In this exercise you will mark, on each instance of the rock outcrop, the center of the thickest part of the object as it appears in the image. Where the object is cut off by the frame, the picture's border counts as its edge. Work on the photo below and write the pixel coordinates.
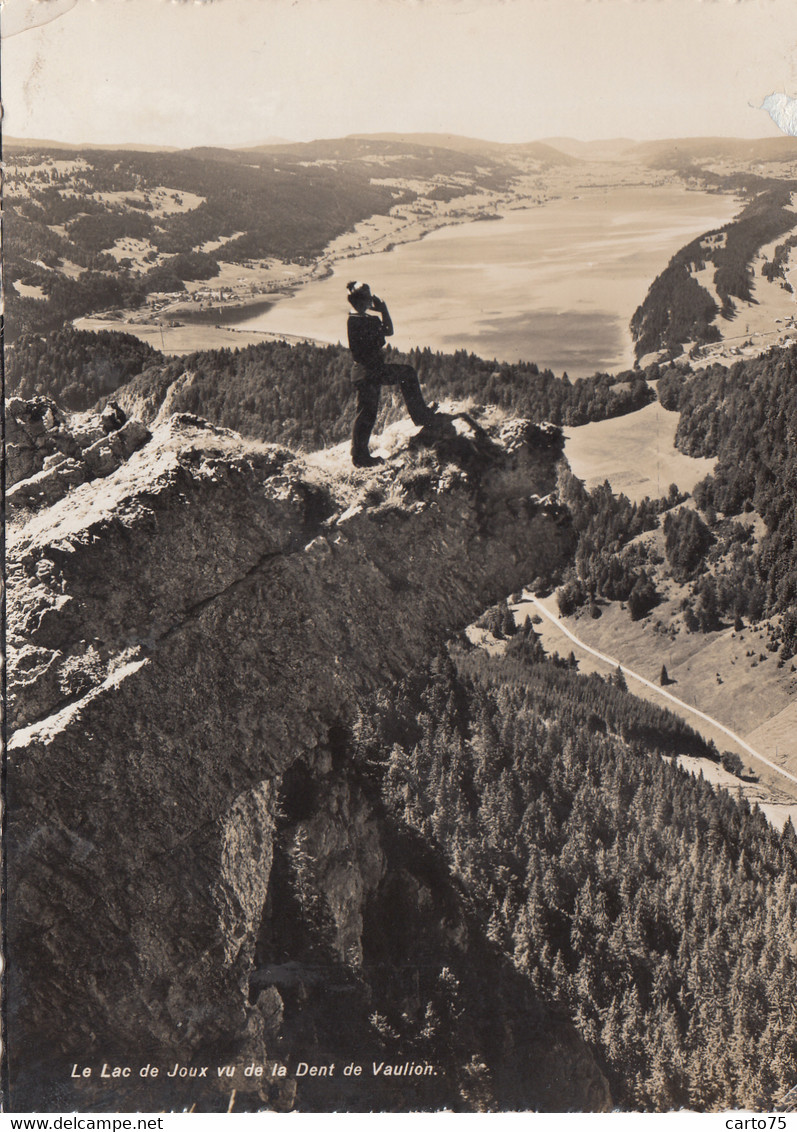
(47, 456)
(197, 877)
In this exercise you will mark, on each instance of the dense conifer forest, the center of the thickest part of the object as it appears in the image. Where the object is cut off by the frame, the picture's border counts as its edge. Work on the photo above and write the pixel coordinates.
(288, 203)
(658, 912)
(747, 417)
(677, 309)
(300, 395)
(76, 367)
(605, 524)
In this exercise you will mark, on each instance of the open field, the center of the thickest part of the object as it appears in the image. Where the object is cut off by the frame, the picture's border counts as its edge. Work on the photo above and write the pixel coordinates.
(711, 671)
(774, 793)
(635, 453)
(188, 338)
(769, 320)
(777, 736)
(743, 701)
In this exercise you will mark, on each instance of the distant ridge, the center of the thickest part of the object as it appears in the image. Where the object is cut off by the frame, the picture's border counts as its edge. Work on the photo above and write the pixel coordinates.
(264, 143)
(474, 146)
(553, 150)
(423, 146)
(439, 141)
(676, 150)
(607, 149)
(48, 143)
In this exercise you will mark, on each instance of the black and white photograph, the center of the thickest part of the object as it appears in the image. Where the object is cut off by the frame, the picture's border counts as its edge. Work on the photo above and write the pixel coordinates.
(400, 512)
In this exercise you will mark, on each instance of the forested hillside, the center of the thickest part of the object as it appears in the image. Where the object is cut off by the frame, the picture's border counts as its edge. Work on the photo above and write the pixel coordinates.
(677, 309)
(658, 912)
(76, 367)
(67, 213)
(747, 417)
(695, 154)
(300, 395)
(268, 211)
(606, 523)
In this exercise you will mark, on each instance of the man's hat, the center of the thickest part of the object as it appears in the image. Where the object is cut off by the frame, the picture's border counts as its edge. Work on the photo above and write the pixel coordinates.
(358, 291)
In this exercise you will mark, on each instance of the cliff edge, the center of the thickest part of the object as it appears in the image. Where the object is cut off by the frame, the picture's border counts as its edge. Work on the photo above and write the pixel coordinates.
(198, 879)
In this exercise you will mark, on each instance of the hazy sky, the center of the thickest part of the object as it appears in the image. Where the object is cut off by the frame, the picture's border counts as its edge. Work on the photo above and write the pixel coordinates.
(231, 72)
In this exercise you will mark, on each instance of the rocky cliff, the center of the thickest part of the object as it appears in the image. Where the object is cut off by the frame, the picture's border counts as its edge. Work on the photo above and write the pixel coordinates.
(198, 877)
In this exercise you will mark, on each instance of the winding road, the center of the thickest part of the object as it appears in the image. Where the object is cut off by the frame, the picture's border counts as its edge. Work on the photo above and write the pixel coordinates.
(535, 601)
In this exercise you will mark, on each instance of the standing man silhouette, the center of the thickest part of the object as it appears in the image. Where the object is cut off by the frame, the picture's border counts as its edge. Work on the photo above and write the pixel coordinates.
(367, 334)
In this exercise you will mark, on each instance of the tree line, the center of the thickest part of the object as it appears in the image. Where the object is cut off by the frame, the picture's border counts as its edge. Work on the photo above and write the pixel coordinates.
(289, 204)
(653, 909)
(677, 309)
(746, 416)
(76, 367)
(300, 395)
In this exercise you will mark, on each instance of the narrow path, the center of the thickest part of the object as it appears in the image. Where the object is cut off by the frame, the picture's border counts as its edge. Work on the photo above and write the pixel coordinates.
(661, 691)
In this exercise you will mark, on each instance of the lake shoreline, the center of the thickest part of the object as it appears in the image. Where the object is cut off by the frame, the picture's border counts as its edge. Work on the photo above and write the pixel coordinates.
(556, 285)
(186, 325)
(277, 280)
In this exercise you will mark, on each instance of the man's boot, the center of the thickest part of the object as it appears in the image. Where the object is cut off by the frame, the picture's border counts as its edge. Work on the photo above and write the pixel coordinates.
(365, 460)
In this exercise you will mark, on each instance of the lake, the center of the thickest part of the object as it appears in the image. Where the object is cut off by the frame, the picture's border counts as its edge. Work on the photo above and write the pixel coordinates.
(556, 284)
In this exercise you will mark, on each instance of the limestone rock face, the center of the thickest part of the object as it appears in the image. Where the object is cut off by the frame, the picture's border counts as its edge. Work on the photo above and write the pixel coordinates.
(47, 455)
(189, 636)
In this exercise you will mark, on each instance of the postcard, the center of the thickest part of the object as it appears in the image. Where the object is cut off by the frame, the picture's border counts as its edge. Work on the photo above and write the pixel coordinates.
(400, 512)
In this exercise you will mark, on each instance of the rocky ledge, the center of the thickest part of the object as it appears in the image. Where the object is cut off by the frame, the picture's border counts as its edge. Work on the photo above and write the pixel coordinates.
(47, 454)
(198, 877)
